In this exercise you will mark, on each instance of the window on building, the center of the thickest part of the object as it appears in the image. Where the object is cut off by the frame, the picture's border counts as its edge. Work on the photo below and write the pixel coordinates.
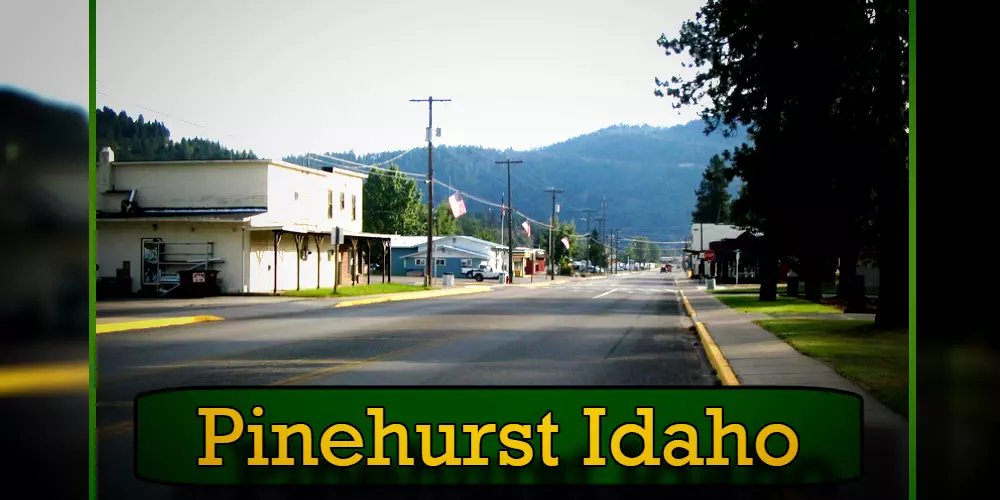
(354, 207)
(419, 262)
(439, 262)
(341, 201)
(329, 203)
(296, 196)
(466, 262)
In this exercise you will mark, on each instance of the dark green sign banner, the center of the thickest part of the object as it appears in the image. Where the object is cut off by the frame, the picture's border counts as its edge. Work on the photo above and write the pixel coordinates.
(482, 435)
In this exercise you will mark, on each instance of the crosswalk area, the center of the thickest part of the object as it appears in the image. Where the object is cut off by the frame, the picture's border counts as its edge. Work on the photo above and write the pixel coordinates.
(603, 289)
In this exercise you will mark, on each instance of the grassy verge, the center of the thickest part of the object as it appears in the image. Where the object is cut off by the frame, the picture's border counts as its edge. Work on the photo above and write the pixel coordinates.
(828, 289)
(878, 360)
(356, 291)
(748, 303)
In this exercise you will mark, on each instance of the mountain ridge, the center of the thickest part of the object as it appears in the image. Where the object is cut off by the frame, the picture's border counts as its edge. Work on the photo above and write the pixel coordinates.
(647, 173)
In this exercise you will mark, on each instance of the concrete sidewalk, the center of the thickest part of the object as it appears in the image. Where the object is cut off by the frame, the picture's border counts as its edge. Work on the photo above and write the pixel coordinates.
(758, 357)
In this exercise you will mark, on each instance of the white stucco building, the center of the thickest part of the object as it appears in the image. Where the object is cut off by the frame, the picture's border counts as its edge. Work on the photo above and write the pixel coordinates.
(263, 225)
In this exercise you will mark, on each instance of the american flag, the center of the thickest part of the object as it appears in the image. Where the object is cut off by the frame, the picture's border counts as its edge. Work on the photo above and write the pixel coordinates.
(457, 205)
(527, 228)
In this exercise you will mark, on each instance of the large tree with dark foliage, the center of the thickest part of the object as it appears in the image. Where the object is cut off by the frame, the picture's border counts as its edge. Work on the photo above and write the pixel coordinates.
(822, 88)
(139, 140)
(712, 197)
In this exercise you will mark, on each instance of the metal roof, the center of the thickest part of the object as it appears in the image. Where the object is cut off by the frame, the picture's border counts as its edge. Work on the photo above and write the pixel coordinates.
(446, 247)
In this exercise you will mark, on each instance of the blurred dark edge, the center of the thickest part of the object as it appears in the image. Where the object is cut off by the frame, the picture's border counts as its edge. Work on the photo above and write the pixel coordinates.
(958, 347)
(44, 307)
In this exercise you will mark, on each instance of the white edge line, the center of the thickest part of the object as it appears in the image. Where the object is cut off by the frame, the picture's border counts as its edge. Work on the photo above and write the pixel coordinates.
(605, 293)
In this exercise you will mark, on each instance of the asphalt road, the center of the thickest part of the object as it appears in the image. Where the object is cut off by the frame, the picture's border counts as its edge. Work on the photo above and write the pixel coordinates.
(625, 330)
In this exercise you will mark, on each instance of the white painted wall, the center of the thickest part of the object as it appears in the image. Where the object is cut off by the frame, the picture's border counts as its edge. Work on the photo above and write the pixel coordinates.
(301, 196)
(189, 185)
(119, 241)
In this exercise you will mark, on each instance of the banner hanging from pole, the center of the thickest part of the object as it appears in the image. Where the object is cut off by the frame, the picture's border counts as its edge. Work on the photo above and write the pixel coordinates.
(527, 228)
(565, 242)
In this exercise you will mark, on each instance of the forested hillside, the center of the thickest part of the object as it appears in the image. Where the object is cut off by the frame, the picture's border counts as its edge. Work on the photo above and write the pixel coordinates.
(139, 140)
(648, 175)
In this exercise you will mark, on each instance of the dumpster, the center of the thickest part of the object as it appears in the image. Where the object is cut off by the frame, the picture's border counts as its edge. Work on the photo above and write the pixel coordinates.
(198, 283)
(449, 279)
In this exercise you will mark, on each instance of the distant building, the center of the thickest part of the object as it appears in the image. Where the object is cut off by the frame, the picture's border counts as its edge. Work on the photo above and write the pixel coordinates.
(700, 239)
(262, 225)
(451, 254)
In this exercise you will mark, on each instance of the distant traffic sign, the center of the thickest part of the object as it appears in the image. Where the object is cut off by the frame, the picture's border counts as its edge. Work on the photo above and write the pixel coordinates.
(709, 255)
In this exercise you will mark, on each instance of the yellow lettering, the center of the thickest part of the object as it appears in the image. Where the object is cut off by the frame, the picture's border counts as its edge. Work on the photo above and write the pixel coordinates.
(547, 429)
(327, 444)
(448, 458)
(719, 432)
(793, 445)
(594, 415)
(257, 430)
(211, 439)
(690, 445)
(645, 431)
(476, 433)
(527, 453)
(381, 431)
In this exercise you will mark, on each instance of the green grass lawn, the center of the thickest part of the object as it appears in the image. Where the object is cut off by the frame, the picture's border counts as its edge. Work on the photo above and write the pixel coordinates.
(878, 360)
(355, 291)
(749, 303)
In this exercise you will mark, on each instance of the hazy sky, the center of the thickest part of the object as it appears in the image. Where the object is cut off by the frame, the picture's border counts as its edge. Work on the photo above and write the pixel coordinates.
(298, 76)
(44, 49)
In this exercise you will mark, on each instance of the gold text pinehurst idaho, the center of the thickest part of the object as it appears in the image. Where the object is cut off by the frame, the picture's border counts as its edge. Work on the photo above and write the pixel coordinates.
(682, 451)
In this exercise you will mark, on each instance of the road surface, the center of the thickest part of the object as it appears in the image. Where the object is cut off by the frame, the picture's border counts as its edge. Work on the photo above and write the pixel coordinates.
(626, 330)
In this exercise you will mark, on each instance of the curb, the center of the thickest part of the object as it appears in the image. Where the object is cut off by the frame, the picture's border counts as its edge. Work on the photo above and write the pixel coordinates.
(154, 323)
(414, 296)
(715, 356)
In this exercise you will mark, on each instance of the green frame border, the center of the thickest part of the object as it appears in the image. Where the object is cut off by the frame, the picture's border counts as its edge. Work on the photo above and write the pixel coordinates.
(913, 248)
(92, 223)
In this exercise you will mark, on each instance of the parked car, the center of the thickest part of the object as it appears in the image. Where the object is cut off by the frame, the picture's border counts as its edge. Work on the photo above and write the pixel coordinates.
(485, 272)
(663, 269)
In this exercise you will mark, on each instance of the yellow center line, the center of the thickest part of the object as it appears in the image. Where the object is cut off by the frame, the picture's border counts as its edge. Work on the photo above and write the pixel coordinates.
(47, 378)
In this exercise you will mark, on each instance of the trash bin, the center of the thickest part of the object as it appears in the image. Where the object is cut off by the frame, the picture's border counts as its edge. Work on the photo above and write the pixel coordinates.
(710, 284)
(502, 277)
(198, 283)
(449, 279)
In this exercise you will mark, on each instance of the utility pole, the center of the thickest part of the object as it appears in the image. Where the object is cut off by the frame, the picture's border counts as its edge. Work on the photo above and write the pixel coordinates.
(503, 210)
(429, 274)
(589, 211)
(510, 222)
(600, 228)
(552, 225)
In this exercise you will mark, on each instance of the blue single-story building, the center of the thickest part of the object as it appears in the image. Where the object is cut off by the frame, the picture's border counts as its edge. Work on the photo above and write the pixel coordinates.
(451, 254)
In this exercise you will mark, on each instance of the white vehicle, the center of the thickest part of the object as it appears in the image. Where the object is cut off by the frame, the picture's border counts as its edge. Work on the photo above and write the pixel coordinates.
(470, 272)
(484, 272)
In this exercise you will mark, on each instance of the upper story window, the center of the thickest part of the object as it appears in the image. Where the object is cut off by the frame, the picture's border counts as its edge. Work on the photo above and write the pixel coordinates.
(329, 203)
(341, 201)
(354, 207)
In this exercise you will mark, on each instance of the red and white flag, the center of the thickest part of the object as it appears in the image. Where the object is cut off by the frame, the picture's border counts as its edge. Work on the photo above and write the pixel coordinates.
(457, 205)
(527, 228)
(565, 242)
